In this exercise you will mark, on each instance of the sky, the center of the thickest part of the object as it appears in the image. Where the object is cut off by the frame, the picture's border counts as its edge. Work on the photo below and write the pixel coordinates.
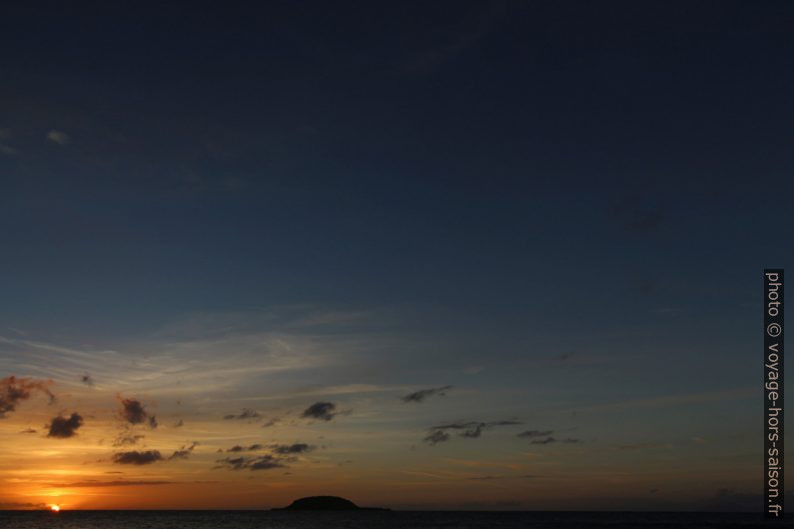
(447, 255)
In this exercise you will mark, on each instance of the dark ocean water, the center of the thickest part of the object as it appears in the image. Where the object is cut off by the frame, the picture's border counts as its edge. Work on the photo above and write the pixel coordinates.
(372, 520)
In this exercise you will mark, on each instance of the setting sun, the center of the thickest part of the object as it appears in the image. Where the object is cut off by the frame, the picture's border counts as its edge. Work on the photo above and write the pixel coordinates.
(55, 508)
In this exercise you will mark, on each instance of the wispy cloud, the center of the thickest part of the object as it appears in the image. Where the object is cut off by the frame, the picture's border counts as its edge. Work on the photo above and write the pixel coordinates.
(422, 394)
(184, 452)
(265, 462)
(117, 483)
(530, 434)
(6, 149)
(550, 440)
(544, 437)
(179, 359)
(436, 436)
(470, 430)
(127, 439)
(245, 414)
(191, 362)
(21, 505)
(271, 422)
(59, 137)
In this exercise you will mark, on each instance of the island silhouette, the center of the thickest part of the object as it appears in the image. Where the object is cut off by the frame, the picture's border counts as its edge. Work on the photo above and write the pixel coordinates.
(326, 503)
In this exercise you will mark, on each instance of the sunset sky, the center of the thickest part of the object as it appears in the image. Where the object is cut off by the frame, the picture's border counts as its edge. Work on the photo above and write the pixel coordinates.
(422, 255)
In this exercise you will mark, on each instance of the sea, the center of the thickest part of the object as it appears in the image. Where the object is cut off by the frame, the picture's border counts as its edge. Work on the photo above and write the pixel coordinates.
(376, 520)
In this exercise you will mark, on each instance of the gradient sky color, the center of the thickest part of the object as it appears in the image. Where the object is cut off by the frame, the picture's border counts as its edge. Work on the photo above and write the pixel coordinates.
(549, 219)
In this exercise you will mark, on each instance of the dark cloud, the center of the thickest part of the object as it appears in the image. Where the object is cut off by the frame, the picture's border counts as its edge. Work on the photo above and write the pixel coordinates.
(531, 434)
(421, 395)
(503, 423)
(136, 457)
(436, 436)
(134, 412)
(249, 448)
(550, 440)
(233, 463)
(246, 413)
(14, 390)
(544, 437)
(184, 452)
(87, 380)
(280, 456)
(28, 430)
(295, 448)
(65, 427)
(468, 426)
(323, 411)
(473, 432)
(469, 430)
(265, 462)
